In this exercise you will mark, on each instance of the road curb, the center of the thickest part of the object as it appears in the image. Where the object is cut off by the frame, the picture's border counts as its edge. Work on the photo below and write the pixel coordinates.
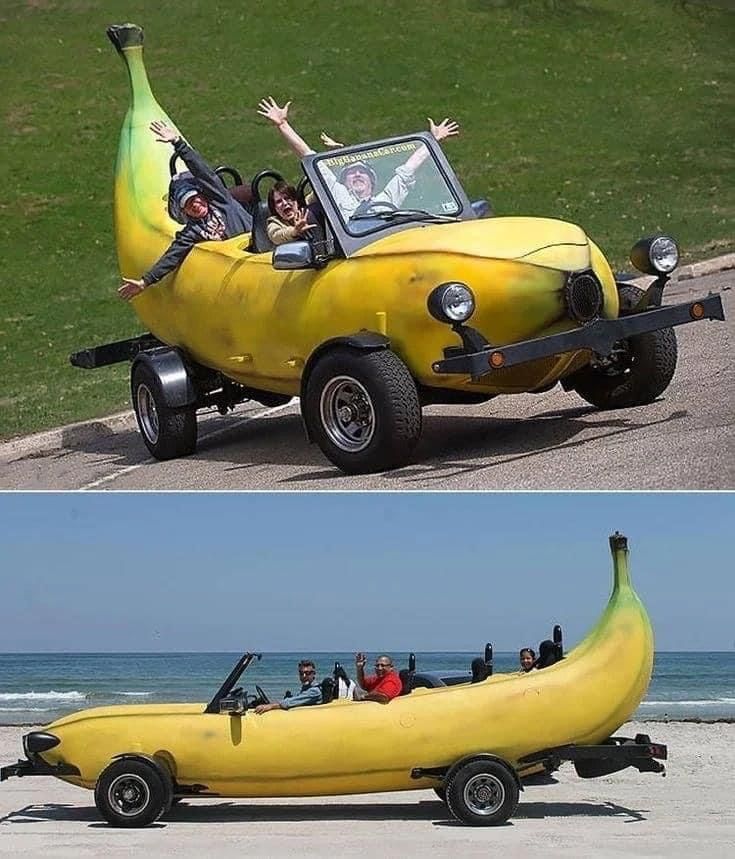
(53, 439)
(696, 269)
(707, 266)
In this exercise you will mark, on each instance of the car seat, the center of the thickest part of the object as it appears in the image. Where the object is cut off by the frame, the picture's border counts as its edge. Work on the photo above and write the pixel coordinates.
(329, 689)
(547, 654)
(259, 241)
(480, 670)
(407, 675)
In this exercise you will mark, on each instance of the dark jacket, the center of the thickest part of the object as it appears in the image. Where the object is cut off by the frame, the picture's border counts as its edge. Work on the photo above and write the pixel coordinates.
(227, 209)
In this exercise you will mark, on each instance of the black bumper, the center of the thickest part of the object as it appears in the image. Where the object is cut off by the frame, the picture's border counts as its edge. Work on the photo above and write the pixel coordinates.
(616, 754)
(477, 357)
(37, 766)
(114, 353)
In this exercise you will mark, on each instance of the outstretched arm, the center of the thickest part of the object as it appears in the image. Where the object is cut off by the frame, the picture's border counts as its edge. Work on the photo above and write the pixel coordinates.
(211, 184)
(446, 128)
(279, 117)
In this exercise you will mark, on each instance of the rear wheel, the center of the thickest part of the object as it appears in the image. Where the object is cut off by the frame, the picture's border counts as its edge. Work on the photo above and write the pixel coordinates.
(168, 433)
(639, 369)
(482, 793)
(132, 793)
(363, 410)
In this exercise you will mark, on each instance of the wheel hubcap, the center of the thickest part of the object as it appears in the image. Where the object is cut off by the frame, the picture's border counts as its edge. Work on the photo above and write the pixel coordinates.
(484, 794)
(128, 795)
(347, 414)
(147, 412)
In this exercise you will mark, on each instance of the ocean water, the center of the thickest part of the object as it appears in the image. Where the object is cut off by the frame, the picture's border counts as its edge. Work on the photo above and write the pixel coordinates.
(38, 688)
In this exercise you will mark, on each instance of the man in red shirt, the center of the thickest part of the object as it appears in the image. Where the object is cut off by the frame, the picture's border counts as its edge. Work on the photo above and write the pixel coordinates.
(382, 686)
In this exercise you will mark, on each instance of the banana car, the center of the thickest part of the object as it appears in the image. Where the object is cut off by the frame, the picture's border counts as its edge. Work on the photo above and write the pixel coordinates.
(473, 742)
(415, 296)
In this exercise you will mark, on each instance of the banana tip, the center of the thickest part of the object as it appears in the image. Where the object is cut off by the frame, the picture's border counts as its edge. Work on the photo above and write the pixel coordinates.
(125, 36)
(618, 541)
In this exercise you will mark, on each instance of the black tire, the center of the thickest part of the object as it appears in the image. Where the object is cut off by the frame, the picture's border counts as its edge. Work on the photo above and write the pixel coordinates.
(643, 370)
(168, 433)
(482, 793)
(441, 793)
(378, 422)
(132, 793)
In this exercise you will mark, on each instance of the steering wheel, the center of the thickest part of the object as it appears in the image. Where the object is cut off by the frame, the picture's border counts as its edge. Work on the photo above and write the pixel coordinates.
(261, 694)
(374, 207)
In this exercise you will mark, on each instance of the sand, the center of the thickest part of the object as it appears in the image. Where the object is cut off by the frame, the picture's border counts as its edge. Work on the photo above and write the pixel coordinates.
(689, 812)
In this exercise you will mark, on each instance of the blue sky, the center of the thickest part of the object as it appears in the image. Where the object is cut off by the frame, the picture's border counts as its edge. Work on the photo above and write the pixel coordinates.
(439, 571)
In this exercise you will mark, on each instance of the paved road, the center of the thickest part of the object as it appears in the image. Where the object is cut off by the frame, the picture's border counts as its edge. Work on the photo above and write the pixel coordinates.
(543, 441)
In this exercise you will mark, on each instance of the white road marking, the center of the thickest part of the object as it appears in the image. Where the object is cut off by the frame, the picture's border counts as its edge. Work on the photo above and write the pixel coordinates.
(108, 478)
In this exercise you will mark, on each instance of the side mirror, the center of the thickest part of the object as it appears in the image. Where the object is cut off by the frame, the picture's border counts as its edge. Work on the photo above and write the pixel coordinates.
(293, 256)
(482, 208)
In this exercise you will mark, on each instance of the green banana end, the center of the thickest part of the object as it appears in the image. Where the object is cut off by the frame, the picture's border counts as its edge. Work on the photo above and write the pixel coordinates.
(125, 36)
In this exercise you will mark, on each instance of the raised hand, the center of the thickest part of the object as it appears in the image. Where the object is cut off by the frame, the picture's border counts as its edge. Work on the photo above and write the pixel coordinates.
(446, 128)
(269, 108)
(163, 132)
(130, 288)
(329, 141)
(299, 222)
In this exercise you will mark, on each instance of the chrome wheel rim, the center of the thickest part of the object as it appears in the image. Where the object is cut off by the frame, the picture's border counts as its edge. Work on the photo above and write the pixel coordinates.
(347, 414)
(484, 794)
(128, 794)
(147, 412)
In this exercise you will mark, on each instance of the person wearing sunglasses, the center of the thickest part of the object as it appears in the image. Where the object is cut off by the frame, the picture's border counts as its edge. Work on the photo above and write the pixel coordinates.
(309, 693)
(382, 686)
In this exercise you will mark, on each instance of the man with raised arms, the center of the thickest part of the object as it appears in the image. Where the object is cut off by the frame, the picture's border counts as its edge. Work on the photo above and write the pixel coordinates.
(355, 188)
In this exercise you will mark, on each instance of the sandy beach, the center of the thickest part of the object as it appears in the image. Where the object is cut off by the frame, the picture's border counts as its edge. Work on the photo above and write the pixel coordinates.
(689, 812)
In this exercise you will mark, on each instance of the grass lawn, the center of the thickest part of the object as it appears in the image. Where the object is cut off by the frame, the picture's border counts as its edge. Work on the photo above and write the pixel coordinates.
(618, 116)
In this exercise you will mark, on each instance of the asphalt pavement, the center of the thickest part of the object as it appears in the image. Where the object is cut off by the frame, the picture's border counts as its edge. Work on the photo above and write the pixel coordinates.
(551, 441)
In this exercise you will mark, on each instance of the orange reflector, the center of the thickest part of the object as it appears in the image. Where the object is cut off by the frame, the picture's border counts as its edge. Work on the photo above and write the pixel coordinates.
(496, 360)
(696, 311)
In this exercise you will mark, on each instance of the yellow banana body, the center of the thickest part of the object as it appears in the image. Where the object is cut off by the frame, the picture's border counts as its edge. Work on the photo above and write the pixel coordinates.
(358, 747)
(231, 310)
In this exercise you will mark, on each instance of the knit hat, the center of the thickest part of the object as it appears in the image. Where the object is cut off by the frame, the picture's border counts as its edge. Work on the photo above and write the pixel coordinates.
(182, 187)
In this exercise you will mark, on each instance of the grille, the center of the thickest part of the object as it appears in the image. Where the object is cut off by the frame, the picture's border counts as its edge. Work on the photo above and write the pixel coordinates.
(583, 296)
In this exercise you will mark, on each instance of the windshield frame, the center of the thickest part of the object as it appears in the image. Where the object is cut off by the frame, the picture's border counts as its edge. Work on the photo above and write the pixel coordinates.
(350, 242)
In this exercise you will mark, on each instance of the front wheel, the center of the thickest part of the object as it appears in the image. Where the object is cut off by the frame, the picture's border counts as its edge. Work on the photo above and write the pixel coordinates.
(482, 793)
(639, 369)
(168, 433)
(363, 410)
(132, 793)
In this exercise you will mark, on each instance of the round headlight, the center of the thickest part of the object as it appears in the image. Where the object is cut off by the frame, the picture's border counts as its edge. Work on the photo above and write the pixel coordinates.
(664, 254)
(655, 255)
(451, 302)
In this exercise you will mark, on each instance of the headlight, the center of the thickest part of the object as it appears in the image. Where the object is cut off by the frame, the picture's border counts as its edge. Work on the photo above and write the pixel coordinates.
(451, 302)
(655, 255)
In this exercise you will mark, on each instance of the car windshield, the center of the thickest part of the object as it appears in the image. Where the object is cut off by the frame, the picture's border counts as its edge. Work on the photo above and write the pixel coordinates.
(375, 187)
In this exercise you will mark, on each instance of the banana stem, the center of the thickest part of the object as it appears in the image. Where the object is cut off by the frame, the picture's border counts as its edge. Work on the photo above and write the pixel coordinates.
(128, 40)
(621, 572)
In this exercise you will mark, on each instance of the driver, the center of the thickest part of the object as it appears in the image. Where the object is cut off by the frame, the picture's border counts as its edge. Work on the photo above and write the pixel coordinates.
(310, 692)
(356, 186)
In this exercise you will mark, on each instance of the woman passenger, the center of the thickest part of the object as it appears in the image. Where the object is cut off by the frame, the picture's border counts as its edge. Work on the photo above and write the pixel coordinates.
(287, 222)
